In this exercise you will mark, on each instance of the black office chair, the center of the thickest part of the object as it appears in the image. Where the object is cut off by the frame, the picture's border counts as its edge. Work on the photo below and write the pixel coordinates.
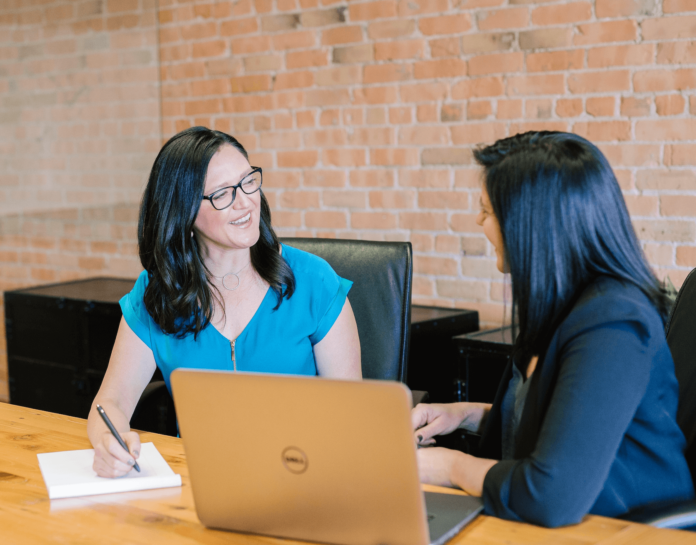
(381, 300)
(681, 337)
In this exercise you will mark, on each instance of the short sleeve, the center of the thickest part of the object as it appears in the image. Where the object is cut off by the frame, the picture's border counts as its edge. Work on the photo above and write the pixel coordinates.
(333, 309)
(134, 311)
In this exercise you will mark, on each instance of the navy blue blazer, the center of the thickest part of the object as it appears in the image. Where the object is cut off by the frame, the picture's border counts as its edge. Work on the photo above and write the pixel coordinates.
(598, 432)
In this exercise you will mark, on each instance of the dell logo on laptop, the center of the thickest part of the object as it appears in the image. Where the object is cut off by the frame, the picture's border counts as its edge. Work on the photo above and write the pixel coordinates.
(294, 460)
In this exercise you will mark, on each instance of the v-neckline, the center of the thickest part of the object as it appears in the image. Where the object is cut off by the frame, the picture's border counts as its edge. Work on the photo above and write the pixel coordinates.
(263, 301)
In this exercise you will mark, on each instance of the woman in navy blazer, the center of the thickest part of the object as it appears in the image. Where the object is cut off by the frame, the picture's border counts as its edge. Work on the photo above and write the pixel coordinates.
(585, 417)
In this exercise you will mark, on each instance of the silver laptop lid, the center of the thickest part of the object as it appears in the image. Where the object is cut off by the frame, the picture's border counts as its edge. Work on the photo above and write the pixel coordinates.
(301, 457)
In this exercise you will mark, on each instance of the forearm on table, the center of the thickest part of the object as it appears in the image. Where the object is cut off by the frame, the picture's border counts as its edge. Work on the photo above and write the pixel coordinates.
(469, 472)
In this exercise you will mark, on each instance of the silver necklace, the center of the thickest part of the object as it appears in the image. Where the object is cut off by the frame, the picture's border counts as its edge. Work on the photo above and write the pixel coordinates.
(229, 274)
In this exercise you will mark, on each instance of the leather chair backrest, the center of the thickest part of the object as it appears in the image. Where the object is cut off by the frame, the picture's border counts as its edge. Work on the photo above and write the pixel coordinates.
(380, 297)
(681, 338)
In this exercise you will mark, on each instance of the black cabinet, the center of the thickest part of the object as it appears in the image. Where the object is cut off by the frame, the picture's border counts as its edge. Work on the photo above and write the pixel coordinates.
(59, 341)
(482, 357)
(432, 364)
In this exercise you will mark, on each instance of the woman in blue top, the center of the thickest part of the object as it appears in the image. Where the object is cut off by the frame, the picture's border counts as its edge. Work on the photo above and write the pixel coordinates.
(585, 417)
(218, 291)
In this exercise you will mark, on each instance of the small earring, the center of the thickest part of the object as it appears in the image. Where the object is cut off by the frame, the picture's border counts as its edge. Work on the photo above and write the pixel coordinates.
(191, 234)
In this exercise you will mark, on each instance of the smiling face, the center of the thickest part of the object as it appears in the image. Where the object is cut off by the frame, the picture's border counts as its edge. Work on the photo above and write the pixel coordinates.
(237, 226)
(491, 228)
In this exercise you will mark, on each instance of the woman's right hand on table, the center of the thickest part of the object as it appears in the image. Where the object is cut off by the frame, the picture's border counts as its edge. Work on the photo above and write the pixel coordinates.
(110, 459)
(430, 419)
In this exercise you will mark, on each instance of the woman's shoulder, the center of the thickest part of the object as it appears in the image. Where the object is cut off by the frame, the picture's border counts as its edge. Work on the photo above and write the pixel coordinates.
(610, 300)
(305, 264)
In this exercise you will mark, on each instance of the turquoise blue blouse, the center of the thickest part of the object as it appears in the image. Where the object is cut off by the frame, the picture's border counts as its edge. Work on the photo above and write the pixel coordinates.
(274, 341)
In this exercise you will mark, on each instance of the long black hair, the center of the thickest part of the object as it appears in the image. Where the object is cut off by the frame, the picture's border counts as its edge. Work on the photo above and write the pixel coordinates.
(178, 295)
(564, 222)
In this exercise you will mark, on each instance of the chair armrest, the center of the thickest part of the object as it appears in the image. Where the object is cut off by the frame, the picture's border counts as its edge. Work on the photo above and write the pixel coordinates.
(675, 515)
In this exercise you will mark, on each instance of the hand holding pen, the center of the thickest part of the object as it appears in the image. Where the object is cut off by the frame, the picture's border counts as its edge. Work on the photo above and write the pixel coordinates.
(112, 455)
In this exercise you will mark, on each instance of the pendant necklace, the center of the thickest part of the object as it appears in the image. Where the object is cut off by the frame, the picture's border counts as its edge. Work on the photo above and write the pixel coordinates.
(227, 278)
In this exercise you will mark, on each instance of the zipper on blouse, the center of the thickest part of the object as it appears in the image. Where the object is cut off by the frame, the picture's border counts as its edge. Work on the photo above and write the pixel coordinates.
(234, 356)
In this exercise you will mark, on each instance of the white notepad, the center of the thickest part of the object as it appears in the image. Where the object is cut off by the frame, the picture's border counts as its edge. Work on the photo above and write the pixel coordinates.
(69, 474)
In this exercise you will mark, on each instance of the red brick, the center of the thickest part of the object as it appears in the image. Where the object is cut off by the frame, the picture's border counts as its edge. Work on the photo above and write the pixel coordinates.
(197, 107)
(479, 109)
(392, 199)
(680, 154)
(678, 205)
(375, 95)
(373, 220)
(624, 8)
(248, 103)
(435, 265)
(496, 63)
(424, 178)
(641, 205)
(603, 131)
(611, 31)
(281, 179)
(363, 53)
(325, 220)
(384, 73)
(539, 108)
(342, 35)
(445, 47)
(293, 40)
(620, 55)
(599, 82)
(554, 61)
(676, 53)
(442, 68)
(569, 107)
(340, 75)
(263, 63)
(464, 223)
(546, 125)
(600, 106)
(451, 112)
(478, 87)
(669, 28)
(487, 42)
(393, 156)
(446, 156)
(297, 158)
(477, 133)
(402, 49)
(546, 38)
(664, 80)
(306, 59)
(293, 80)
(451, 200)
(423, 135)
(426, 113)
(372, 10)
(408, 8)
(344, 199)
(423, 92)
(503, 19)
(543, 84)
(250, 84)
(509, 109)
(562, 14)
(677, 180)
(670, 104)
(344, 157)
(213, 48)
(239, 26)
(686, 256)
(372, 136)
(447, 24)
(423, 221)
(677, 6)
(635, 107)
(324, 178)
(395, 28)
(280, 140)
(256, 44)
(299, 199)
(372, 178)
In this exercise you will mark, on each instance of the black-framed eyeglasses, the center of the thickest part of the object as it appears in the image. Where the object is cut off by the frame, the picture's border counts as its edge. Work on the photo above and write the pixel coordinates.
(224, 197)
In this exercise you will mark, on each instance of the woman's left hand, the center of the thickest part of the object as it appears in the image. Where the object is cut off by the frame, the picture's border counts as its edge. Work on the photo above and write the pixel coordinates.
(436, 465)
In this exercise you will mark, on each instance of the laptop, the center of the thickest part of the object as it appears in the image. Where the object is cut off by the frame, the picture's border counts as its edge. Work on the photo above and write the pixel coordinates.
(311, 459)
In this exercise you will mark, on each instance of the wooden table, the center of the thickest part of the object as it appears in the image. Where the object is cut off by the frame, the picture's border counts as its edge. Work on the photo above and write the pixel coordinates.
(168, 516)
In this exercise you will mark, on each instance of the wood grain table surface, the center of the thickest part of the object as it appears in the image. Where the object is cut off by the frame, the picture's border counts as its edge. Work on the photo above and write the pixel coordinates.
(150, 517)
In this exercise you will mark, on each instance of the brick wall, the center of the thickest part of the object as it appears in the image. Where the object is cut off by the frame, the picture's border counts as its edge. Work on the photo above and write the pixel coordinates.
(363, 115)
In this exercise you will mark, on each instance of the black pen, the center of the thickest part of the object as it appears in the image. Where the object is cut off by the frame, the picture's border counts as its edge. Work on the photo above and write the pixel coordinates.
(116, 434)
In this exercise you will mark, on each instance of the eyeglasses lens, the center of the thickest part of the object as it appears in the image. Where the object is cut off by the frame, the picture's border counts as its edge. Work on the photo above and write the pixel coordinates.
(226, 197)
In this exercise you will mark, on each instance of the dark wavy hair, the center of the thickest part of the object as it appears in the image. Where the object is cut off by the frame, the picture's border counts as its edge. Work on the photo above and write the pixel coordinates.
(564, 222)
(178, 295)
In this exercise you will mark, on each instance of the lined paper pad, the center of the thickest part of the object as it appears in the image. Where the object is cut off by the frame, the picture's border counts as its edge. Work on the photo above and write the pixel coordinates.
(69, 474)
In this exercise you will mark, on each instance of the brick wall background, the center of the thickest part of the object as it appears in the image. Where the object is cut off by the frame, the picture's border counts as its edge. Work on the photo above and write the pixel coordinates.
(363, 115)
